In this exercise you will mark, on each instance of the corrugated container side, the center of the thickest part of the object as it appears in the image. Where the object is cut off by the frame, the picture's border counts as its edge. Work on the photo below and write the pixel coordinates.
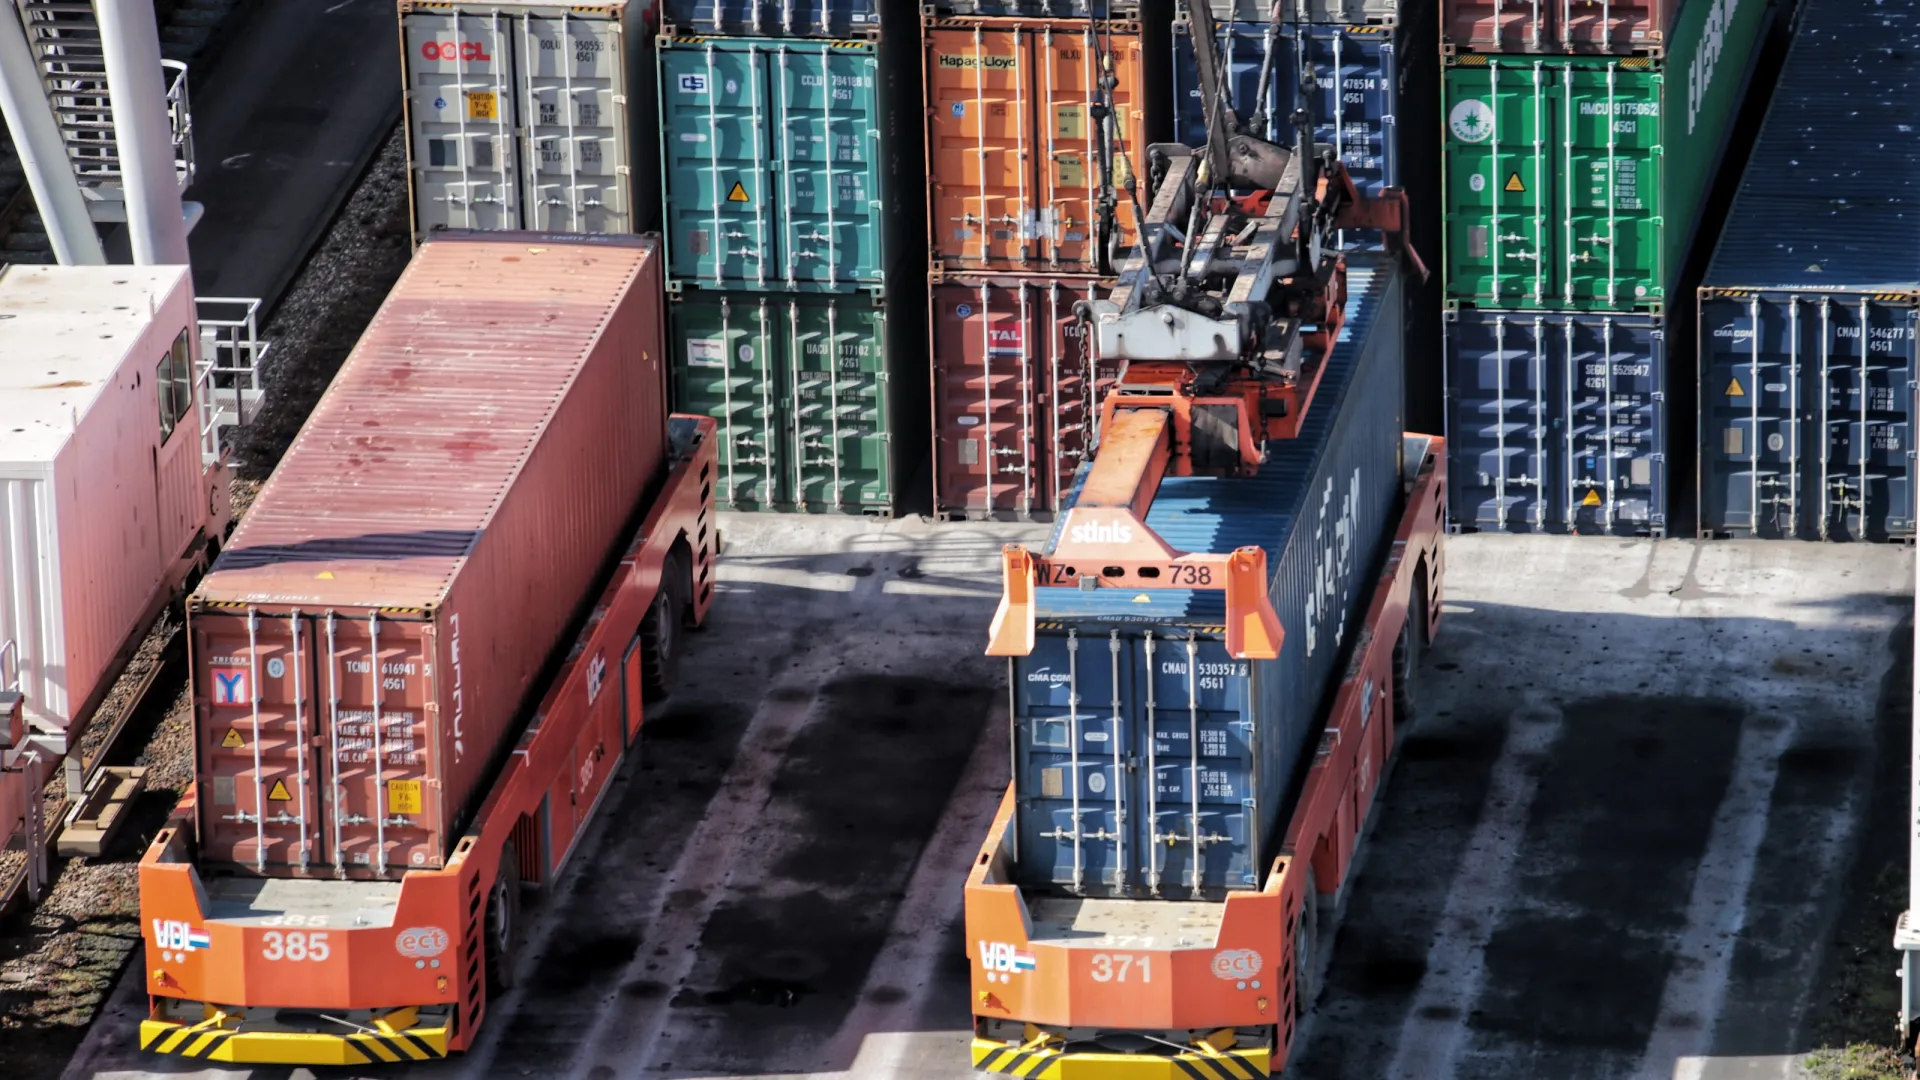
(1322, 12)
(1616, 28)
(530, 116)
(1556, 422)
(1014, 405)
(786, 18)
(1576, 184)
(1145, 679)
(784, 163)
(1039, 9)
(458, 491)
(1806, 414)
(97, 500)
(1014, 150)
(807, 389)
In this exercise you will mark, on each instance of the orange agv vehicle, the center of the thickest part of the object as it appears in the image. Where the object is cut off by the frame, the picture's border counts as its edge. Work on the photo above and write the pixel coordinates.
(423, 655)
(1212, 658)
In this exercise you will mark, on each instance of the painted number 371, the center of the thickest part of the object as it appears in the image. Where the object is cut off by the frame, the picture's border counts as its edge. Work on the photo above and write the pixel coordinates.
(294, 946)
(1118, 967)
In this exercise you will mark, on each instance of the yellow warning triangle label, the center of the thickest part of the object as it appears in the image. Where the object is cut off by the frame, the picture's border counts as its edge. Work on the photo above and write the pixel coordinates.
(279, 792)
(739, 193)
(1514, 184)
(1592, 499)
(1734, 390)
(324, 575)
(233, 741)
(1143, 598)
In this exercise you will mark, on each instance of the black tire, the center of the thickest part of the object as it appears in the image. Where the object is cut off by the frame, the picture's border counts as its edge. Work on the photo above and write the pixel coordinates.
(1408, 651)
(1306, 939)
(664, 627)
(502, 928)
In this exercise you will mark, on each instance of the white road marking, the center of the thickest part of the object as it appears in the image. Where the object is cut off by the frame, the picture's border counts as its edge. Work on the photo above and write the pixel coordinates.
(1476, 900)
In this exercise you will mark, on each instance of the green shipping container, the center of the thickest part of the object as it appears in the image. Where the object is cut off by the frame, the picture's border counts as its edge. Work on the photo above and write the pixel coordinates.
(781, 161)
(800, 387)
(1575, 183)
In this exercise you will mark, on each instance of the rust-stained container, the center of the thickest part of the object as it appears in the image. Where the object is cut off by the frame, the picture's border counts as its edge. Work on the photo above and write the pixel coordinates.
(1015, 394)
(364, 649)
(1578, 27)
(1018, 157)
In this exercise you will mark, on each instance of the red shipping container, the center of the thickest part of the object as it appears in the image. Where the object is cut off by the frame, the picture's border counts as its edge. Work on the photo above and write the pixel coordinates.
(1580, 27)
(368, 645)
(1013, 407)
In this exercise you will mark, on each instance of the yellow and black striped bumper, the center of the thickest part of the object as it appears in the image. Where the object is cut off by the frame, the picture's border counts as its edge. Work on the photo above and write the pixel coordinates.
(1045, 1063)
(209, 1041)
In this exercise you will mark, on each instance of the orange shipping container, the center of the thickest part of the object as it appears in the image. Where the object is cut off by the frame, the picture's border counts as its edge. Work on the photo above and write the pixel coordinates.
(1016, 142)
(364, 649)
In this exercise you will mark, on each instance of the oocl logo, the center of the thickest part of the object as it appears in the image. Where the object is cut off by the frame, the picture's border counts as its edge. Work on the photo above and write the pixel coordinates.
(1237, 965)
(421, 942)
(456, 50)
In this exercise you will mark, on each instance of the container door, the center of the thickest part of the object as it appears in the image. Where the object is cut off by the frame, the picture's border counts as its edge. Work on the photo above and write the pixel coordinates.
(1498, 421)
(1868, 372)
(986, 418)
(1242, 46)
(1613, 465)
(1074, 384)
(377, 739)
(461, 118)
(1610, 27)
(981, 150)
(1609, 154)
(840, 451)
(725, 360)
(577, 169)
(1499, 171)
(826, 132)
(1084, 159)
(1497, 26)
(264, 798)
(1195, 776)
(720, 195)
(1756, 464)
(1076, 704)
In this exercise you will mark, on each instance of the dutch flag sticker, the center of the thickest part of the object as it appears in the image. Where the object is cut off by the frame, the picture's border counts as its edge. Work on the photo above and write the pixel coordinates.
(1023, 961)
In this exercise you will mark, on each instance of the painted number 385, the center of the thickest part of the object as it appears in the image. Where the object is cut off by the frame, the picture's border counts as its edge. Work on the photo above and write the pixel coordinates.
(294, 946)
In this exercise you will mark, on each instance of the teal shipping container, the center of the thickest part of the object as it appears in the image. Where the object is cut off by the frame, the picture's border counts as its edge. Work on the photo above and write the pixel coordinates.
(807, 403)
(781, 162)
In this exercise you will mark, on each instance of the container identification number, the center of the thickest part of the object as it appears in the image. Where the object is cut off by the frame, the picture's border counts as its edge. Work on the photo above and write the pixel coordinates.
(1120, 967)
(294, 946)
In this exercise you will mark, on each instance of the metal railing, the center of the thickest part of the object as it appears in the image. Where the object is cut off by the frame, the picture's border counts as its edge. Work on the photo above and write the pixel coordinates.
(180, 121)
(230, 382)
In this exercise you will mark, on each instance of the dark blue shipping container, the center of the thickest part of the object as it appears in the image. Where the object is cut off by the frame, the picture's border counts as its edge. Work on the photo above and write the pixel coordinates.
(1356, 75)
(1556, 422)
(1122, 688)
(1807, 313)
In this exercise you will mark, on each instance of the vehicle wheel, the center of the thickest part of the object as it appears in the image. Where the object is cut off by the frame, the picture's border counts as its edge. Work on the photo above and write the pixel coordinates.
(662, 629)
(503, 923)
(1407, 653)
(1305, 937)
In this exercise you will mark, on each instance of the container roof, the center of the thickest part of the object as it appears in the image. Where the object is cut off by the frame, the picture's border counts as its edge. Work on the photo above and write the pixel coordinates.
(1215, 514)
(1831, 195)
(400, 468)
(64, 333)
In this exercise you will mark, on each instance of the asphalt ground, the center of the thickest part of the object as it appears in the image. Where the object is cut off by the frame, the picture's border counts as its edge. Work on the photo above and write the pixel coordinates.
(1613, 847)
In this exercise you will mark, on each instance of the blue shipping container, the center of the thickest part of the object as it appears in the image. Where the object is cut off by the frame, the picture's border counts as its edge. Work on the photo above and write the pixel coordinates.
(1807, 357)
(790, 18)
(1355, 107)
(1128, 686)
(777, 173)
(1556, 422)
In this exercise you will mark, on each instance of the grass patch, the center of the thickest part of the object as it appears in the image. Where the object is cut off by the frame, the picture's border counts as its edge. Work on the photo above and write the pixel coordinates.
(1860, 1061)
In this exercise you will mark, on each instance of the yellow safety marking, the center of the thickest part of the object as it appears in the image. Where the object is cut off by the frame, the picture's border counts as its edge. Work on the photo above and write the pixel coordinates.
(378, 1047)
(233, 741)
(403, 797)
(1514, 184)
(739, 193)
(1143, 598)
(324, 575)
(1592, 499)
(482, 105)
(1734, 389)
(279, 793)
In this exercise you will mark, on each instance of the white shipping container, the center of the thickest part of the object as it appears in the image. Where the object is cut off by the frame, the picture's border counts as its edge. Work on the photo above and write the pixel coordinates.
(520, 116)
(103, 491)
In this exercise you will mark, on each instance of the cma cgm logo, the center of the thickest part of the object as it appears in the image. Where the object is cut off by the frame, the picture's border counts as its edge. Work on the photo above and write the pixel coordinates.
(1101, 532)
(1003, 961)
(456, 50)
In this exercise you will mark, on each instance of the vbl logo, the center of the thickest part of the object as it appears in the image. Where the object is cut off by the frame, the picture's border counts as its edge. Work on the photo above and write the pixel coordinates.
(176, 936)
(998, 956)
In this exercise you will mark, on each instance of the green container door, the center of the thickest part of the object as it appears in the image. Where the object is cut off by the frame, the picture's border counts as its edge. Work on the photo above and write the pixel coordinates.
(773, 163)
(1553, 184)
(798, 385)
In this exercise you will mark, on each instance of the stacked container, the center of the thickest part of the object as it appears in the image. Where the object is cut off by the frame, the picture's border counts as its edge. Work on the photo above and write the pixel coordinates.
(1037, 118)
(785, 159)
(1809, 310)
(1580, 141)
